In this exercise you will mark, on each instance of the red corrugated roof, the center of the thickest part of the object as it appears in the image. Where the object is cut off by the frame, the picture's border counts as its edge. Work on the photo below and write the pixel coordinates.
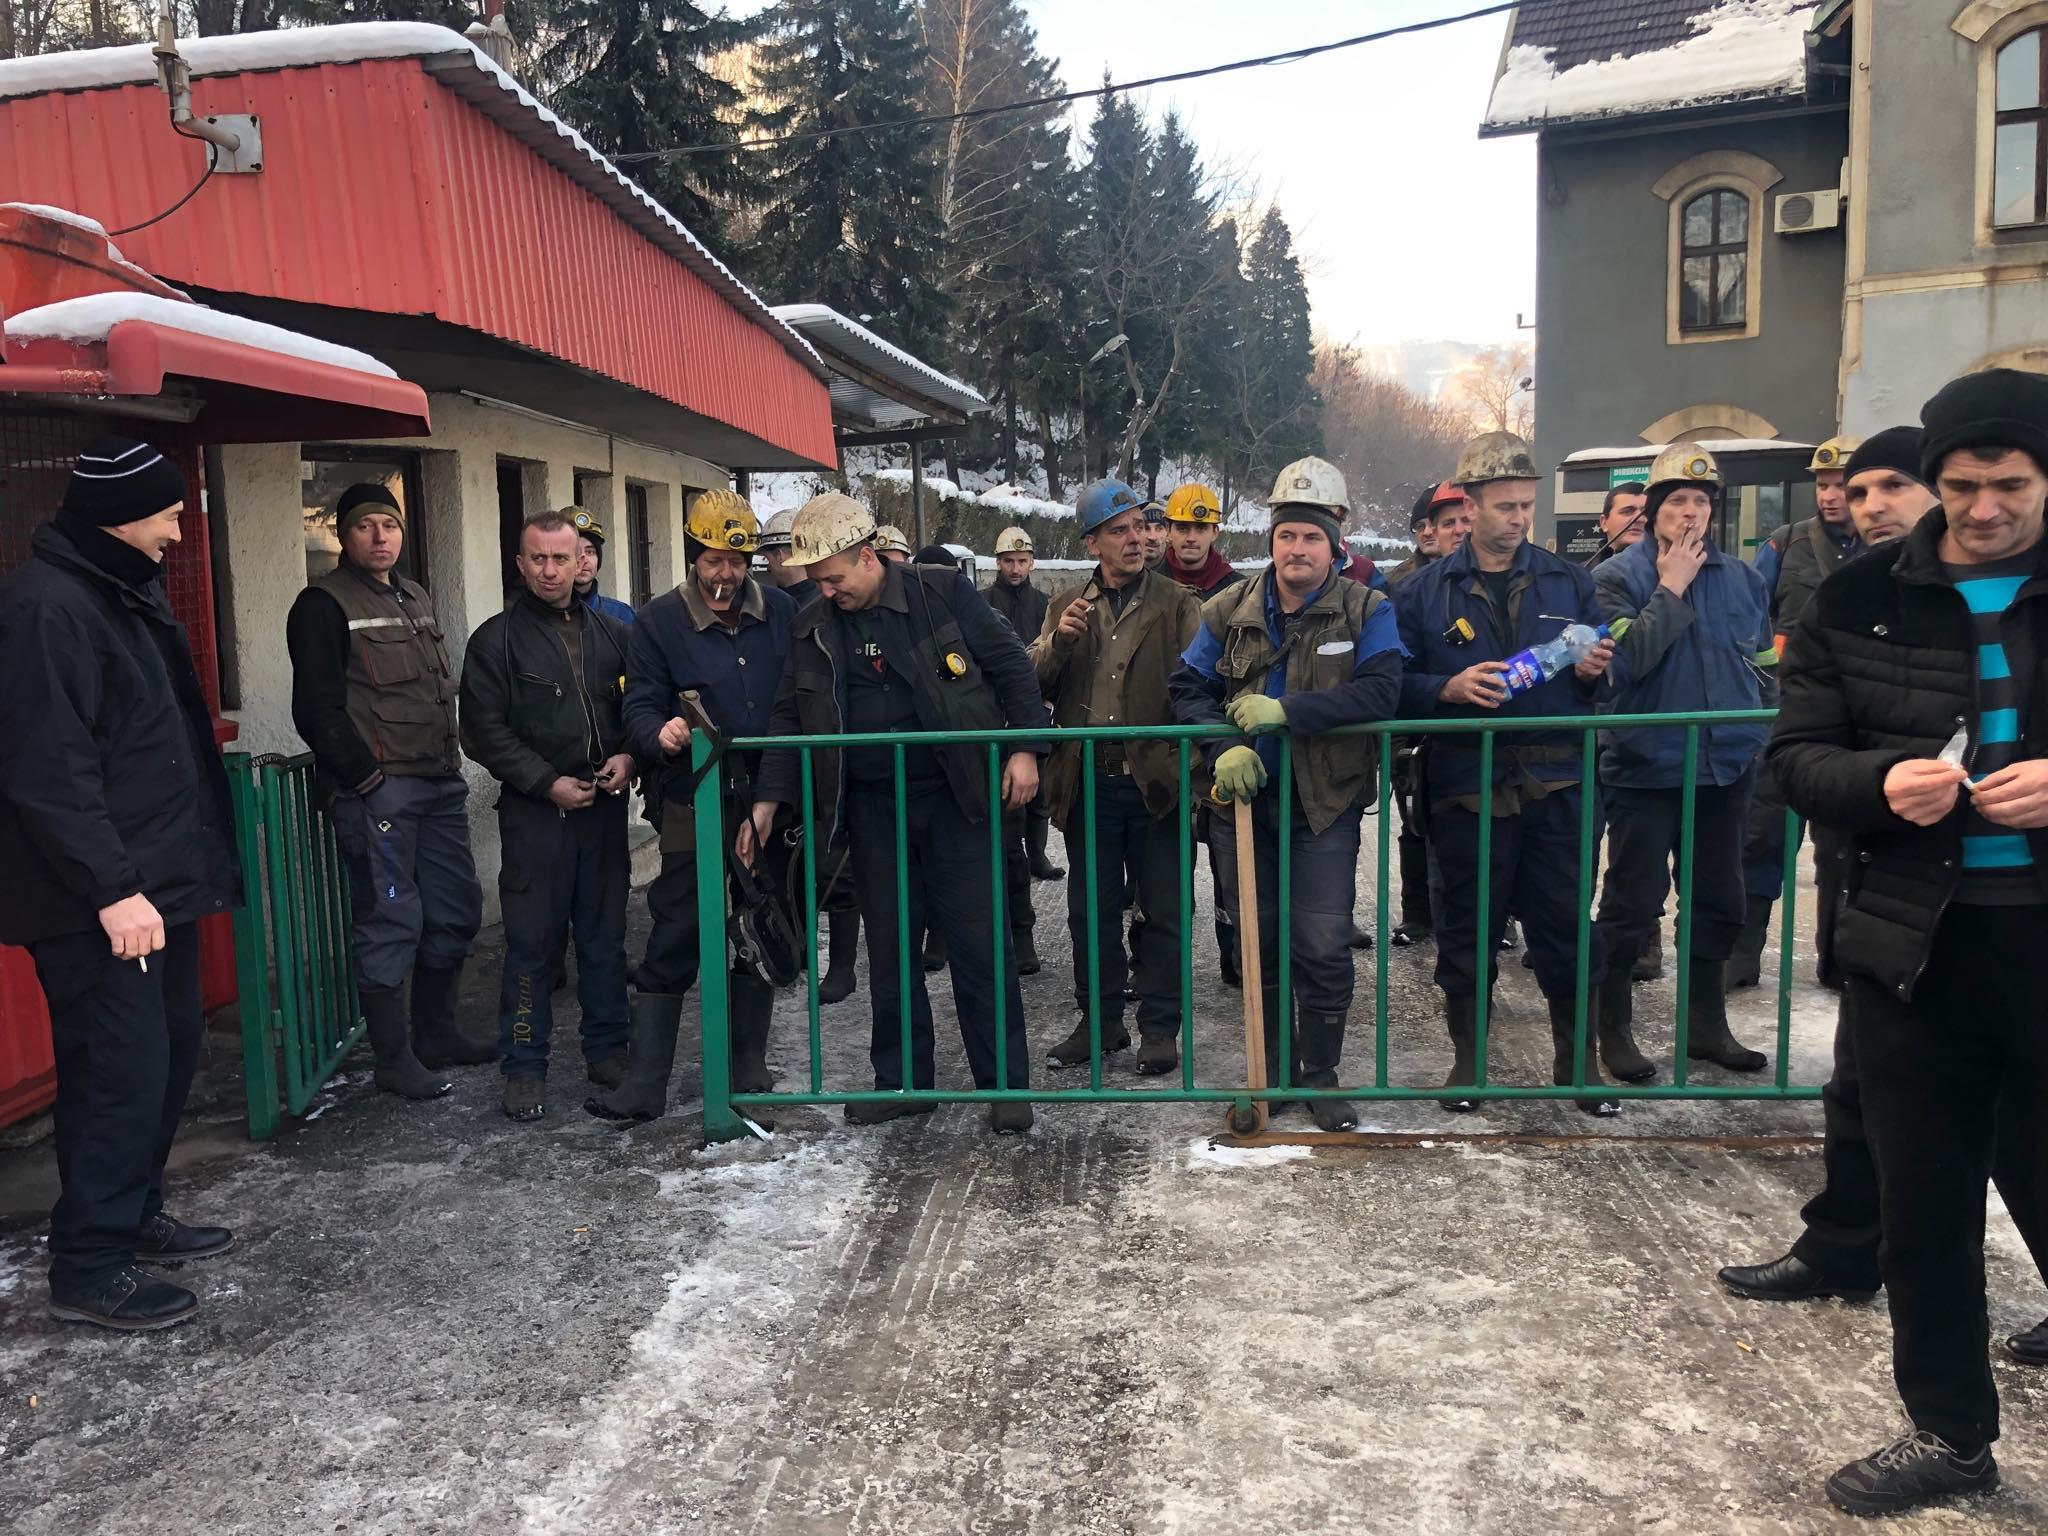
(386, 189)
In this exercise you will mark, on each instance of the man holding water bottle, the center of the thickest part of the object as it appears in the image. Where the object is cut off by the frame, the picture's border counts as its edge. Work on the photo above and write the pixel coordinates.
(1462, 619)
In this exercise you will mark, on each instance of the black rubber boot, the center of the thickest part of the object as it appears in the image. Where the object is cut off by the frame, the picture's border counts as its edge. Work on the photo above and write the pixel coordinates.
(751, 1015)
(1319, 1047)
(1708, 1037)
(842, 948)
(1036, 830)
(398, 1070)
(1024, 943)
(934, 950)
(1460, 1022)
(1226, 952)
(1270, 997)
(1073, 1051)
(1563, 1026)
(652, 1021)
(1746, 965)
(1614, 1027)
(438, 1039)
(1649, 961)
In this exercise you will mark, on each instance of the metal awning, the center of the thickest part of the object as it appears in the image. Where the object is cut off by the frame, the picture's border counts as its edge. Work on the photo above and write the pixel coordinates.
(875, 385)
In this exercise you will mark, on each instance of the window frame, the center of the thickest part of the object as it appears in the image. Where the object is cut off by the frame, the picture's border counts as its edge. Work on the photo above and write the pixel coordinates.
(1991, 25)
(1733, 171)
(412, 557)
(1714, 252)
(639, 546)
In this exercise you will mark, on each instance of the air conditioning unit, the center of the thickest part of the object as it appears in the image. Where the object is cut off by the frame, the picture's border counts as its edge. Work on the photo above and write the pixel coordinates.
(1801, 213)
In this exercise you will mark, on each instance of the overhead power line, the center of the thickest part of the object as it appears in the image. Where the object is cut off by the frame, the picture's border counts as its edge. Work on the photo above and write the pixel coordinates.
(1292, 56)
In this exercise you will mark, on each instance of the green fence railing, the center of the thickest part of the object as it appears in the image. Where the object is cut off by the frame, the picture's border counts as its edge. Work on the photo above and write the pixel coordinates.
(298, 993)
(725, 1112)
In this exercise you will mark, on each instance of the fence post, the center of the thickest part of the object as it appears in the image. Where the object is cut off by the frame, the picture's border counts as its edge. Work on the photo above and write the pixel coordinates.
(721, 1121)
(252, 957)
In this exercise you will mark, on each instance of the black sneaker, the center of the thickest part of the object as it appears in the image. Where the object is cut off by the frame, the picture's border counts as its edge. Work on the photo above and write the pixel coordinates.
(167, 1240)
(1915, 1470)
(128, 1301)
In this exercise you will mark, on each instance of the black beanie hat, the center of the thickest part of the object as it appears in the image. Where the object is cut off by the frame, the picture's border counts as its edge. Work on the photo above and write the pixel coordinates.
(1424, 505)
(118, 480)
(1899, 448)
(361, 500)
(1303, 512)
(1999, 408)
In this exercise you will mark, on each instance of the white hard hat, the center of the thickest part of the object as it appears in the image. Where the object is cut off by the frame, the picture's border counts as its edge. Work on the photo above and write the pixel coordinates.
(1013, 541)
(889, 538)
(828, 525)
(1495, 456)
(1312, 482)
(775, 532)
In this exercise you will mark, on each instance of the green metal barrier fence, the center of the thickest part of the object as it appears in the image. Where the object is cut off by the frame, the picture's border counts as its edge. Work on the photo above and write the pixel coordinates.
(298, 989)
(725, 1112)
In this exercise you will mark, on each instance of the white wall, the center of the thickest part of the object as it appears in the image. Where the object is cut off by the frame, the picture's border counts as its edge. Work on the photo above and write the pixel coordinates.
(266, 564)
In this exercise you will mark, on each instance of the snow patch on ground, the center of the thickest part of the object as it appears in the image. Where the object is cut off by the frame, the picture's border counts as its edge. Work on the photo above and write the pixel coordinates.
(1206, 1153)
(1740, 48)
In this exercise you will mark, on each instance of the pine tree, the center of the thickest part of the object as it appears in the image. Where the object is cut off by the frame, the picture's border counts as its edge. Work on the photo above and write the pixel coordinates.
(1279, 353)
(1115, 256)
(850, 221)
(630, 74)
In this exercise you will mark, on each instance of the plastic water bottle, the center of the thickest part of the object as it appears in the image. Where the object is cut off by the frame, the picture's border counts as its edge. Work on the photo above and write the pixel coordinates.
(1540, 663)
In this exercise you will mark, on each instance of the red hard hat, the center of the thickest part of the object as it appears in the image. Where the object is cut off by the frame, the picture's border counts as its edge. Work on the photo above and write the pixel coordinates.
(1445, 493)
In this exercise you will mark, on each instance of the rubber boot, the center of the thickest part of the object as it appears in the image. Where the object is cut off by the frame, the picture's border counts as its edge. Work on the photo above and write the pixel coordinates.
(1614, 1026)
(1036, 830)
(398, 1070)
(1746, 966)
(437, 1039)
(1708, 1037)
(842, 947)
(652, 1021)
(1459, 1021)
(1226, 952)
(1563, 1027)
(1025, 944)
(934, 950)
(1649, 965)
(1320, 1048)
(753, 1006)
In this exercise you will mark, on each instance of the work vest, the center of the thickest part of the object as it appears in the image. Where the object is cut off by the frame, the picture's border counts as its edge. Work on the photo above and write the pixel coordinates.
(401, 690)
(1331, 773)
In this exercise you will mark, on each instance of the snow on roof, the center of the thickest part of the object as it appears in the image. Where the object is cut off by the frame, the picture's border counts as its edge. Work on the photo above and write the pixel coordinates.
(1647, 451)
(89, 319)
(458, 63)
(91, 227)
(1735, 50)
(835, 332)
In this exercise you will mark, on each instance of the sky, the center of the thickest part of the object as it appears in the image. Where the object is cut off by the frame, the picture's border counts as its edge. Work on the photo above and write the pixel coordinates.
(1409, 225)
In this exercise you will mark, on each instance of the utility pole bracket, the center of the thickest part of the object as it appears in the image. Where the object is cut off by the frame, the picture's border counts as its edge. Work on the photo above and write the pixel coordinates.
(246, 158)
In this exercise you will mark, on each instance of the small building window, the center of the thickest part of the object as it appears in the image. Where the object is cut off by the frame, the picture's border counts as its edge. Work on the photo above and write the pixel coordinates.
(639, 546)
(1714, 276)
(328, 469)
(2019, 178)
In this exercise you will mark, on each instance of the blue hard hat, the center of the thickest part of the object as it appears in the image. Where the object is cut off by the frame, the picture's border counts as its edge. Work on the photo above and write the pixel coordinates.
(1104, 501)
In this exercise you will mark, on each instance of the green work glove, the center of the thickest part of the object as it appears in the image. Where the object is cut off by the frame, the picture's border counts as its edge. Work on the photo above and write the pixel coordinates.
(1240, 774)
(1256, 714)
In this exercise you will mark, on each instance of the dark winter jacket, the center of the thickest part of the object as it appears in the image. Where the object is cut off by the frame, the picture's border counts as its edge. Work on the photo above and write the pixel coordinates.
(1545, 592)
(526, 716)
(1684, 655)
(1882, 669)
(111, 782)
(1127, 659)
(927, 617)
(1795, 560)
(1335, 661)
(1022, 605)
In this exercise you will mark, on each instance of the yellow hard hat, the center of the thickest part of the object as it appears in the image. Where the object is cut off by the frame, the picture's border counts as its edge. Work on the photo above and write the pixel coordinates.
(1685, 464)
(721, 519)
(829, 525)
(584, 522)
(1194, 504)
(1835, 453)
(1311, 482)
(1014, 541)
(889, 538)
(1495, 456)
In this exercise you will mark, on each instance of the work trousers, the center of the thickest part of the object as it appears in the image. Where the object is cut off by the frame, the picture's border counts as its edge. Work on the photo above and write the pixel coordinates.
(1763, 863)
(1131, 845)
(564, 875)
(671, 961)
(947, 877)
(1018, 910)
(1935, 1071)
(1533, 873)
(1842, 1222)
(126, 1041)
(412, 887)
(1643, 827)
(1323, 889)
